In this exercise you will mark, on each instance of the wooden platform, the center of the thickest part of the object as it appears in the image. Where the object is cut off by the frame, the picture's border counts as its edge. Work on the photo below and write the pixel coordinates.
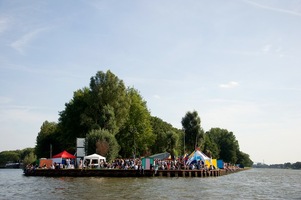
(125, 173)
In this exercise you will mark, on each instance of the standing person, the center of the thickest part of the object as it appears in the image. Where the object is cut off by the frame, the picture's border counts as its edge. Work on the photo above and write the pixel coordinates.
(199, 165)
(80, 166)
(68, 163)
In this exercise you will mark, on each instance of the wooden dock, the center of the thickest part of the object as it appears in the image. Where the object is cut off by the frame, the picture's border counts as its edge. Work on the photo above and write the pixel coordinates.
(125, 173)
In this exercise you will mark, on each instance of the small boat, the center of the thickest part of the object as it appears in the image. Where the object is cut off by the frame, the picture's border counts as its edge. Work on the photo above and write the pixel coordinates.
(12, 165)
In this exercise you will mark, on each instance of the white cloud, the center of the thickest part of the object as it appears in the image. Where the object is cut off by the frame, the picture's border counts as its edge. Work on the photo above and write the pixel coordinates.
(244, 53)
(231, 84)
(273, 8)
(23, 114)
(5, 100)
(22, 42)
(98, 5)
(3, 24)
(278, 49)
(272, 49)
(157, 96)
(266, 48)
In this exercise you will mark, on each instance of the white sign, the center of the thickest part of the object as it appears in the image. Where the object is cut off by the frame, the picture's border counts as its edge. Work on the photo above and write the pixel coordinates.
(80, 142)
(80, 147)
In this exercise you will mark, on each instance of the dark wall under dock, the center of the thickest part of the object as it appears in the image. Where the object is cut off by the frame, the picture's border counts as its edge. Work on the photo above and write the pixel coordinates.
(125, 173)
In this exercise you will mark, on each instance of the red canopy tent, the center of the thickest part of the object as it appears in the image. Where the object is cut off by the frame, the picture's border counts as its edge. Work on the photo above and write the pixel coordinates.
(64, 154)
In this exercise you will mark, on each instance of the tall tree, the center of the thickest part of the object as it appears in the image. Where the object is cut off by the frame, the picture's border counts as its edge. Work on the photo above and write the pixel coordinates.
(172, 143)
(72, 124)
(29, 159)
(25, 152)
(244, 159)
(194, 134)
(296, 165)
(105, 105)
(47, 140)
(108, 102)
(227, 144)
(137, 136)
(210, 147)
(102, 142)
(168, 138)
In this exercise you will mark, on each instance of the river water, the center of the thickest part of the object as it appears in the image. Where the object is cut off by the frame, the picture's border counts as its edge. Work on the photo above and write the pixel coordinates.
(248, 184)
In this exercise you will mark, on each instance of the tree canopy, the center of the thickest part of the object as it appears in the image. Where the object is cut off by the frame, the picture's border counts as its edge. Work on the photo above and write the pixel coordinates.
(26, 156)
(194, 134)
(72, 123)
(105, 105)
(102, 142)
(108, 102)
(46, 139)
(116, 122)
(136, 137)
(224, 145)
(168, 138)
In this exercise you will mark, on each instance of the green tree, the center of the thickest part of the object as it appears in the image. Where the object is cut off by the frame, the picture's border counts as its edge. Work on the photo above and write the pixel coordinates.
(194, 134)
(160, 128)
(226, 143)
(172, 143)
(16, 156)
(296, 165)
(9, 156)
(244, 159)
(47, 138)
(168, 138)
(25, 152)
(108, 102)
(102, 142)
(287, 165)
(105, 104)
(29, 158)
(71, 124)
(210, 147)
(136, 137)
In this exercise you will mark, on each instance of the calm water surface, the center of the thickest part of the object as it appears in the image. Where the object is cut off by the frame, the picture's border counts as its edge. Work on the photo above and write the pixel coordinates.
(249, 184)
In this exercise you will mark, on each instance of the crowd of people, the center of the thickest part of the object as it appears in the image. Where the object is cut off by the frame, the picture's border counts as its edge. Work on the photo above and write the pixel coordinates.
(159, 164)
(134, 164)
(230, 167)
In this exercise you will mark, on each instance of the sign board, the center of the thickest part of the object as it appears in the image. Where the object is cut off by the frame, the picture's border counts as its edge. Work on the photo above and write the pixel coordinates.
(80, 142)
(80, 147)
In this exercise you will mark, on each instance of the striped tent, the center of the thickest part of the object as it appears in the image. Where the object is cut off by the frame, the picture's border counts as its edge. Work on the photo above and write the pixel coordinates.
(196, 156)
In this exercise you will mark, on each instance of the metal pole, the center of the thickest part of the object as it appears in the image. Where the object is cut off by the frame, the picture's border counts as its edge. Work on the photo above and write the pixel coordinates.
(184, 149)
(50, 150)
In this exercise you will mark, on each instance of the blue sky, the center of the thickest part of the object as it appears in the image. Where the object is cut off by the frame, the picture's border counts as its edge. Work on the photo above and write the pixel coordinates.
(237, 63)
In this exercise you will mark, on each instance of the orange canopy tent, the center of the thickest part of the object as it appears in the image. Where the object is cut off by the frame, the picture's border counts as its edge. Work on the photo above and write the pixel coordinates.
(63, 154)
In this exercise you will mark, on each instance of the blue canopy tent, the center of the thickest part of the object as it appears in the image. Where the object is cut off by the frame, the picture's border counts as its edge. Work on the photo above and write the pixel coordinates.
(196, 156)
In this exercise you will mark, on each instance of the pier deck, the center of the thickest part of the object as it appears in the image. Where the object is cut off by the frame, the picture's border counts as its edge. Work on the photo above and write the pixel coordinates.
(125, 173)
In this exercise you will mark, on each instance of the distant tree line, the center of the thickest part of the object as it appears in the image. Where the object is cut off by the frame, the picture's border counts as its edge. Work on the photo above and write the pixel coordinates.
(116, 122)
(288, 165)
(296, 165)
(24, 156)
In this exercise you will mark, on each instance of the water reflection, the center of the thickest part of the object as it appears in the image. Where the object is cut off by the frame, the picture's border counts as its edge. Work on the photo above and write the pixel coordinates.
(250, 184)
